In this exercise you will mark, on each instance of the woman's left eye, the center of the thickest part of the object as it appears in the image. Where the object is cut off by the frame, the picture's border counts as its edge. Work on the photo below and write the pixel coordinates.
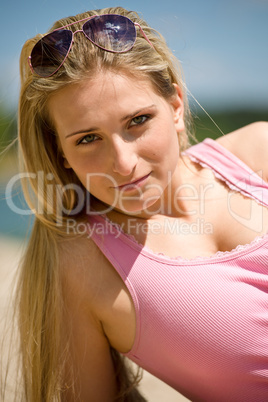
(136, 121)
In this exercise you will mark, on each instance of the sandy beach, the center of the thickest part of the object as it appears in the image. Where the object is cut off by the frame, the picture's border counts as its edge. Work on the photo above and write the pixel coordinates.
(153, 389)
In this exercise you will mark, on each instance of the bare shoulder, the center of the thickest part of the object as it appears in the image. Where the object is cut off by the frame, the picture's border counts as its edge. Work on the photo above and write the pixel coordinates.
(83, 268)
(250, 144)
(88, 277)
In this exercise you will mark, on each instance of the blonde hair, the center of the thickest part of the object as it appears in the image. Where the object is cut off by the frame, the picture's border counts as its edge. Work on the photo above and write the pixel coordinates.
(39, 286)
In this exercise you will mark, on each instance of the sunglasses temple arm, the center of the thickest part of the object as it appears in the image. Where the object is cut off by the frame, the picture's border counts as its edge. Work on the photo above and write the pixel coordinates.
(144, 34)
(30, 64)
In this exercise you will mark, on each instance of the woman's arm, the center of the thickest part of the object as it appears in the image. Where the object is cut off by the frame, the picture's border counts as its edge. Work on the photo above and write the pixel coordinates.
(89, 371)
(250, 144)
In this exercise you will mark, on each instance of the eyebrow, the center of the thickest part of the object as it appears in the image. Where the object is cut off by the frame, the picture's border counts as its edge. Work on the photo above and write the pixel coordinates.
(129, 116)
(88, 131)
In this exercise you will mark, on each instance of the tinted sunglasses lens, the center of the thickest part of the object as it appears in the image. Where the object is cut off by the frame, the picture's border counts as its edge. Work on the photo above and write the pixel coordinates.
(50, 52)
(111, 32)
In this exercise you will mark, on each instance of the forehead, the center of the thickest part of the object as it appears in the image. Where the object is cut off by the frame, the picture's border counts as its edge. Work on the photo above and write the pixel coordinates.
(106, 94)
(103, 84)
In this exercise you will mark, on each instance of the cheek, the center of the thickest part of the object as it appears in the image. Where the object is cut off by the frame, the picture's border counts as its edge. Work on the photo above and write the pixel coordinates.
(80, 162)
(96, 182)
(166, 145)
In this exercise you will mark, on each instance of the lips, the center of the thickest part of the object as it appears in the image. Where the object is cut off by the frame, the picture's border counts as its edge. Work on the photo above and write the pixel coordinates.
(133, 184)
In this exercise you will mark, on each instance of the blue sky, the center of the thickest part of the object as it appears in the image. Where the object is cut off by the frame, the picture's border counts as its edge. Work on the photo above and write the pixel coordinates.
(222, 44)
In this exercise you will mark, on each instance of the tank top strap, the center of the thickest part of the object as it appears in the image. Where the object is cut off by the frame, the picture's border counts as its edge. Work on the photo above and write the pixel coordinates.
(118, 247)
(229, 168)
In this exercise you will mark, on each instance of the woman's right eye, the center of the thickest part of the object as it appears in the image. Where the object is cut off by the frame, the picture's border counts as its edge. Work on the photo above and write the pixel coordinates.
(87, 139)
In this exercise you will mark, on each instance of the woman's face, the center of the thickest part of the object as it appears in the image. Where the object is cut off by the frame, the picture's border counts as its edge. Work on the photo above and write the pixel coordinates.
(119, 137)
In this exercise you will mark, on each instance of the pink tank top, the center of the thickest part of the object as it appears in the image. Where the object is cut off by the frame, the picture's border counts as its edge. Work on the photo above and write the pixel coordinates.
(201, 324)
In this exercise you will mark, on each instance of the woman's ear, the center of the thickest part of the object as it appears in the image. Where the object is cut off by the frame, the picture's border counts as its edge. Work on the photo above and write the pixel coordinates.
(61, 154)
(66, 164)
(178, 107)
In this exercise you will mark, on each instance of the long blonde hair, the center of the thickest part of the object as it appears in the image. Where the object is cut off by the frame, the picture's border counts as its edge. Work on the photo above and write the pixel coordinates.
(39, 287)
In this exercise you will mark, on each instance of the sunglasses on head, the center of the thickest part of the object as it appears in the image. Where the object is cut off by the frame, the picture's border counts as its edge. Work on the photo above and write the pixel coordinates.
(111, 32)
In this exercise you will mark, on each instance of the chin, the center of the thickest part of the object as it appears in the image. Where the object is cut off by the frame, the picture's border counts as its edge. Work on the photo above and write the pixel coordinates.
(145, 207)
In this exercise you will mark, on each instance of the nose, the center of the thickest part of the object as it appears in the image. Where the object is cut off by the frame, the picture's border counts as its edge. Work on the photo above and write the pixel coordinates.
(124, 156)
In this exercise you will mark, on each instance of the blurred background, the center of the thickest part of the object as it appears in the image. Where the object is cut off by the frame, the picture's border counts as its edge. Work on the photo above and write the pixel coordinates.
(222, 46)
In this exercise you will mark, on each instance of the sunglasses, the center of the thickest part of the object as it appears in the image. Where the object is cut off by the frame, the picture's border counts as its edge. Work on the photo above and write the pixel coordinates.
(111, 32)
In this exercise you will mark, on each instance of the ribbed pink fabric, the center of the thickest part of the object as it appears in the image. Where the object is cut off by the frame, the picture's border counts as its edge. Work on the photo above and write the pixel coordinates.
(202, 324)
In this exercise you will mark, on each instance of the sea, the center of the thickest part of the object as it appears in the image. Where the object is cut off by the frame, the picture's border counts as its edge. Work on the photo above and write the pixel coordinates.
(15, 217)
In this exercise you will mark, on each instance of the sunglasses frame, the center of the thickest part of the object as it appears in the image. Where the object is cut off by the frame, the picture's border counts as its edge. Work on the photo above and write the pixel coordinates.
(82, 30)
